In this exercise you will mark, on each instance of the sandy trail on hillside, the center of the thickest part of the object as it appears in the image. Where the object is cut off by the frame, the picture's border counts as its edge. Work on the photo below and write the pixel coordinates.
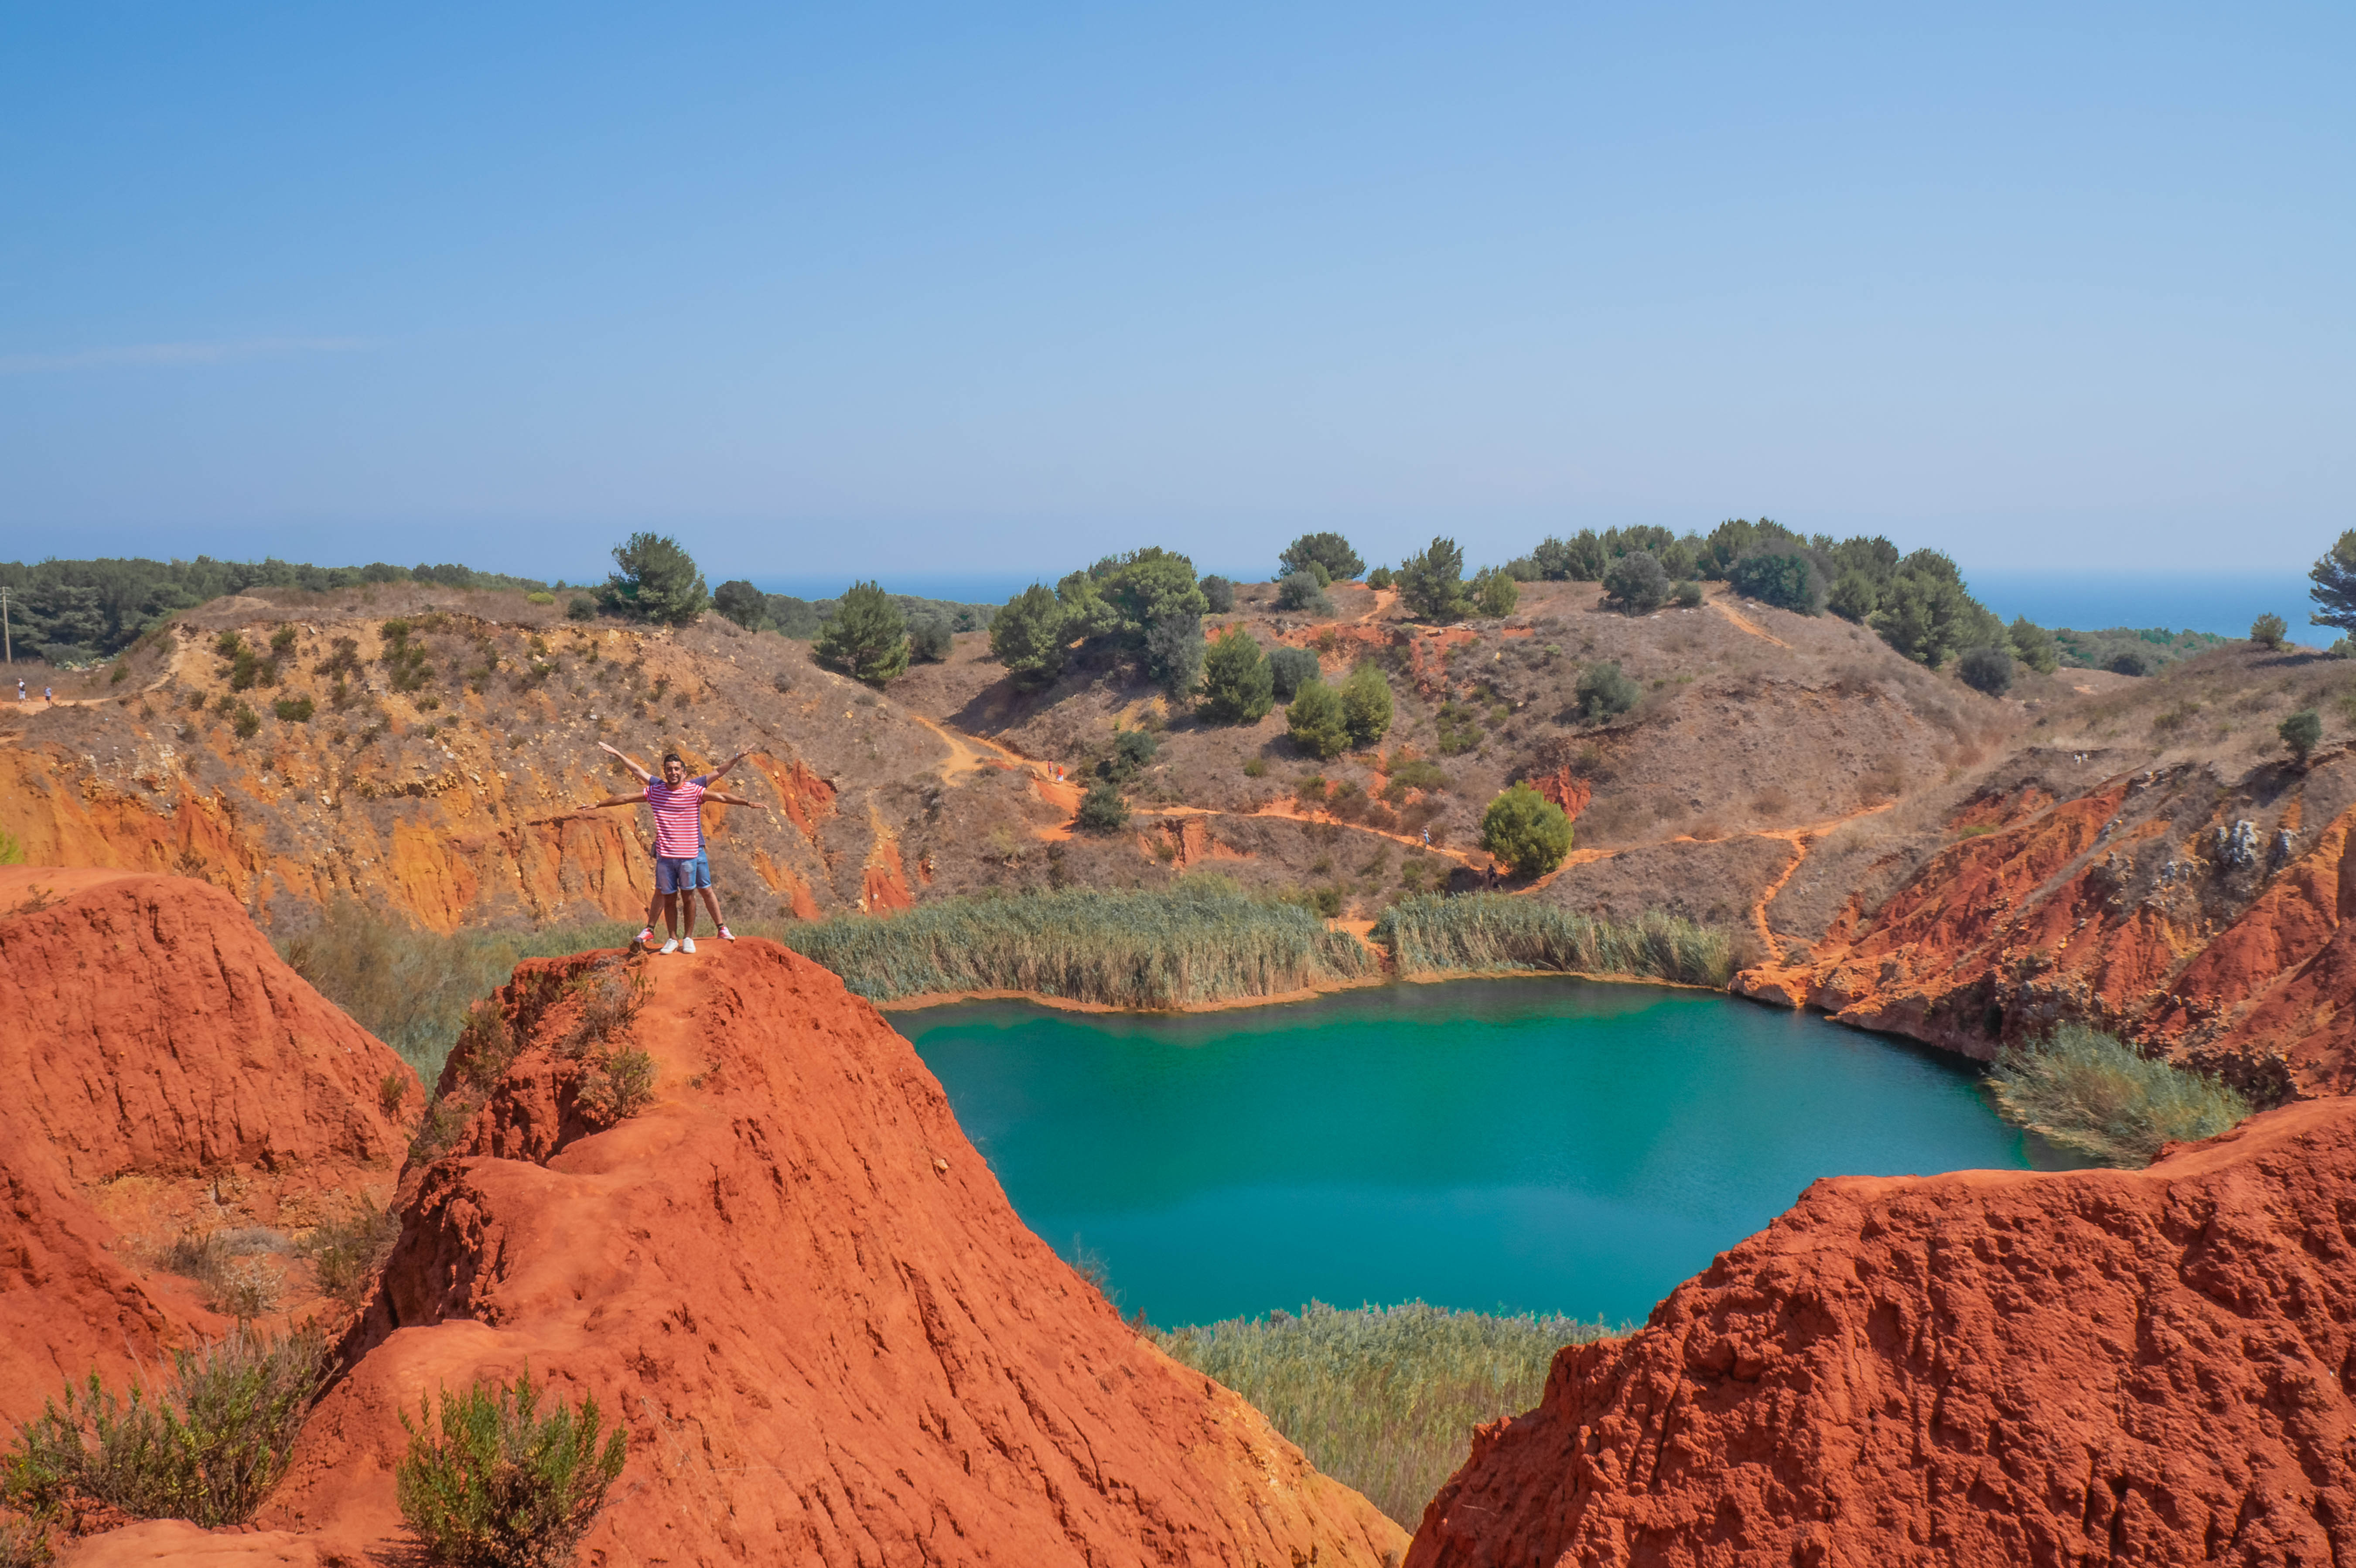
(1744, 622)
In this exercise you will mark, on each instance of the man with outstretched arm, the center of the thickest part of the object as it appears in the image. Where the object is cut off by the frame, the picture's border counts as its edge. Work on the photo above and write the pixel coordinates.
(675, 801)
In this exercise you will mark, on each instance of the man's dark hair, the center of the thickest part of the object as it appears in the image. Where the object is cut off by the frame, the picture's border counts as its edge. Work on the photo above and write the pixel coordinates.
(674, 757)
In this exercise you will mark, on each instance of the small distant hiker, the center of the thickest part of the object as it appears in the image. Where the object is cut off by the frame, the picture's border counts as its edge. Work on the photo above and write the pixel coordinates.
(20, 688)
(682, 867)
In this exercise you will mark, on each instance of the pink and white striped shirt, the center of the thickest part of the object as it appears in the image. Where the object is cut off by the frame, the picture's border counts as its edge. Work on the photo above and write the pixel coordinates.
(678, 836)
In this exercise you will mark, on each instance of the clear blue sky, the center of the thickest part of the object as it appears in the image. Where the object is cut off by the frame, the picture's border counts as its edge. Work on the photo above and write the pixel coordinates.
(983, 289)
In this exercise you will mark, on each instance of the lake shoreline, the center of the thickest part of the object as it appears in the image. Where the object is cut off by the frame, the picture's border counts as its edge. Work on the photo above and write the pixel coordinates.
(917, 1001)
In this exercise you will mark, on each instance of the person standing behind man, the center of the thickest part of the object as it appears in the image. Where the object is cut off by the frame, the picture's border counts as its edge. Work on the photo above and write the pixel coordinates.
(675, 801)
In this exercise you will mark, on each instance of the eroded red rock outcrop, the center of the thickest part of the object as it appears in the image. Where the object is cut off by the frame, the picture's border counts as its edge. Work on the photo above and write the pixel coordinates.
(2149, 906)
(1987, 1367)
(165, 1069)
(801, 1290)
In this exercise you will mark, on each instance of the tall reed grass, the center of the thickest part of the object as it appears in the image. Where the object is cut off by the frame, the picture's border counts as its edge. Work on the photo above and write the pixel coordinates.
(1429, 933)
(2090, 1091)
(1201, 941)
(1382, 1399)
(411, 987)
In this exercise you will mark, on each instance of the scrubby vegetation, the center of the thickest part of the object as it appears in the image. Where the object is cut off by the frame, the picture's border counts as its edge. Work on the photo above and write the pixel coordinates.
(206, 1445)
(2090, 1091)
(1476, 933)
(2127, 651)
(78, 611)
(1199, 941)
(409, 987)
(1382, 1399)
(491, 1483)
(1328, 552)
(654, 580)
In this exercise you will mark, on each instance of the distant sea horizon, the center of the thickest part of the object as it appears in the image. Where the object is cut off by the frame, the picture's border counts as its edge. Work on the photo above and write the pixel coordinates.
(2221, 603)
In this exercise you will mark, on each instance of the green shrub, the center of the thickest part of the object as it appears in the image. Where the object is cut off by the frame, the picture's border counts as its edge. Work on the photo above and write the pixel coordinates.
(1603, 693)
(1253, 768)
(500, 1486)
(207, 1447)
(931, 639)
(2302, 731)
(1218, 594)
(1405, 774)
(1101, 809)
(293, 710)
(1301, 592)
(617, 1086)
(1316, 721)
(539, 596)
(1474, 932)
(347, 1255)
(1527, 831)
(1382, 1399)
(1495, 593)
(1784, 577)
(2268, 631)
(1686, 595)
(1199, 939)
(1637, 583)
(2091, 1092)
(12, 849)
(245, 721)
(1987, 669)
(1379, 577)
(2033, 645)
(1367, 705)
(580, 608)
(1289, 669)
(742, 603)
(1237, 686)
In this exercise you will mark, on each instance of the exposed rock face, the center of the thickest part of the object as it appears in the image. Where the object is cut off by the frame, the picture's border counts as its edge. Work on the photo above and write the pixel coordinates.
(162, 1067)
(798, 1286)
(1979, 1368)
(2141, 906)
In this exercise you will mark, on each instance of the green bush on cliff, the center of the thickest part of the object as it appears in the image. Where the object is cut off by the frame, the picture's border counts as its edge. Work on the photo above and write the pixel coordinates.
(1201, 940)
(488, 1482)
(2090, 1091)
(1382, 1399)
(206, 1445)
(1430, 934)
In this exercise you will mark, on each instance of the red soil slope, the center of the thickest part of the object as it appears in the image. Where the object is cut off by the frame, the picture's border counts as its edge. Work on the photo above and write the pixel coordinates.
(2124, 907)
(163, 1068)
(1979, 1367)
(798, 1286)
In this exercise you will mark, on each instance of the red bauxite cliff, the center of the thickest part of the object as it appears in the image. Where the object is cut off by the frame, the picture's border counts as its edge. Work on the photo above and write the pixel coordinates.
(801, 1291)
(165, 1072)
(1980, 1368)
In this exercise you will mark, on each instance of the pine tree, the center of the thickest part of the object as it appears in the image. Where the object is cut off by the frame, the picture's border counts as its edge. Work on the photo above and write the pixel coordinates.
(1029, 638)
(2334, 592)
(867, 638)
(1316, 720)
(1238, 688)
(1367, 705)
(657, 581)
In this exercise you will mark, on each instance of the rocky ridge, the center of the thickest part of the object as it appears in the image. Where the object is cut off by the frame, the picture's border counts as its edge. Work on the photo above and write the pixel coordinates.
(791, 1277)
(1984, 1366)
(167, 1074)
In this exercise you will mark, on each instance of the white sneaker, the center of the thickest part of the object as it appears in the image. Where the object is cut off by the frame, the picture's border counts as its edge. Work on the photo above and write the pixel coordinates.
(687, 945)
(672, 946)
(727, 934)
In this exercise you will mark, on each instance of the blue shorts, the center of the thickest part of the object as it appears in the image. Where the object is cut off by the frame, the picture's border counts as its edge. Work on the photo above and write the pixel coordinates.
(681, 875)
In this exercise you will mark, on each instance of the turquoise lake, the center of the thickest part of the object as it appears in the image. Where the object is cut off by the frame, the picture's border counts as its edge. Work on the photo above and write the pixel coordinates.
(1546, 1145)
